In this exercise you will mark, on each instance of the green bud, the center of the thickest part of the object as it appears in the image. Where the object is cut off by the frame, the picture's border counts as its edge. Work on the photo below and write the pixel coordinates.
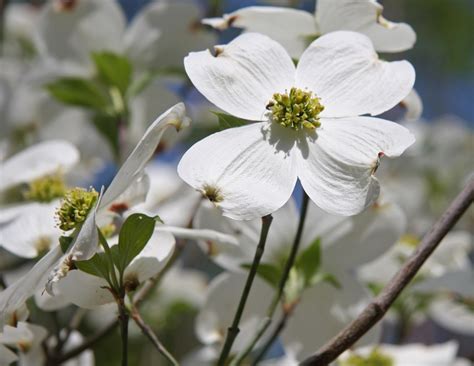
(75, 206)
(375, 358)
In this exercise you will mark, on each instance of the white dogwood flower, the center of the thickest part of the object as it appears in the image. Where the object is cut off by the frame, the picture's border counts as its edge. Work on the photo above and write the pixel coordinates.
(309, 124)
(294, 28)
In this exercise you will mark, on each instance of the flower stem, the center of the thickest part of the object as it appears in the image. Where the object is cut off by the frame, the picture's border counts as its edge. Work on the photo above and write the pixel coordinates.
(233, 330)
(123, 318)
(265, 323)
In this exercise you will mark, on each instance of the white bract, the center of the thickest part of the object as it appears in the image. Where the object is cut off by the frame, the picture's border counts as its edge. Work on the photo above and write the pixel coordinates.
(294, 29)
(308, 123)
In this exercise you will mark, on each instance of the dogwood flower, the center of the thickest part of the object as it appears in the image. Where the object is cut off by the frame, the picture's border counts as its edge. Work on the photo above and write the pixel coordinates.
(55, 264)
(39, 171)
(308, 123)
(294, 28)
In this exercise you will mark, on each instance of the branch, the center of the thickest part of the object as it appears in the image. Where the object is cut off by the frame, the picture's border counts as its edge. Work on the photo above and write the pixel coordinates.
(380, 305)
(151, 336)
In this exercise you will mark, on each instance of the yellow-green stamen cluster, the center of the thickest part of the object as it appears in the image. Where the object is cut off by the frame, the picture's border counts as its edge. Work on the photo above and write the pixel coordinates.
(46, 189)
(375, 358)
(75, 206)
(297, 110)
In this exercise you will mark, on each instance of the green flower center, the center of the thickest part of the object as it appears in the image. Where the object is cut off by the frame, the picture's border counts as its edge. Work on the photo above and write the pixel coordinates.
(375, 358)
(75, 206)
(297, 110)
(46, 189)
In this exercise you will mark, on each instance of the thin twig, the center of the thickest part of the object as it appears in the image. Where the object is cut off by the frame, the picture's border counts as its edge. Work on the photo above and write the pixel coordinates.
(152, 336)
(123, 318)
(265, 323)
(380, 305)
(233, 330)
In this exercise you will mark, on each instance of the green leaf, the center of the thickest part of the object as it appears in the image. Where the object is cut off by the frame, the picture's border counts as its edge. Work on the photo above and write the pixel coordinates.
(113, 69)
(65, 242)
(227, 121)
(294, 286)
(135, 233)
(325, 277)
(268, 272)
(78, 92)
(98, 266)
(309, 262)
(107, 126)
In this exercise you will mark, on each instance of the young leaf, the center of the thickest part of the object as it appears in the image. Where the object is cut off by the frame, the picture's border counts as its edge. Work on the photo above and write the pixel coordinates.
(78, 92)
(325, 277)
(107, 126)
(268, 272)
(309, 261)
(113, 69)
(98, 266)
(135, 233)
(227, 121)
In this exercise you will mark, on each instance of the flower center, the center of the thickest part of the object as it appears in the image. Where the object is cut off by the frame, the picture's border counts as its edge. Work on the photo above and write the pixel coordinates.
(75, 206)
(46, 189)
(297, 109)
(375, 358)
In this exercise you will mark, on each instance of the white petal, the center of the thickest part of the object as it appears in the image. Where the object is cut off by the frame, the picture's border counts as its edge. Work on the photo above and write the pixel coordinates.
(289, 27)
(16, 294)
(6, 356)
(336, 166)
(31, 231)
(132, 169)
(343, 69)
(72, 34)
(322, 312)
(37, 161)
(452, 316)
(164, 32)
(84, 290)
(243, 75)
(372, 233)
(365, 17)
(153, 257)
(251, 167)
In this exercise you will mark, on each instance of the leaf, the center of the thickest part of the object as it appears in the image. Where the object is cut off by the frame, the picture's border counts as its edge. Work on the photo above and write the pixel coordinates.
(113, 69)
(294, 286)
(78, 92)
(325, 277)
(98, 266)
(227, 121)
(135, 233)
(309, 262)
(268, 272)
(107, 126)
(65, 242)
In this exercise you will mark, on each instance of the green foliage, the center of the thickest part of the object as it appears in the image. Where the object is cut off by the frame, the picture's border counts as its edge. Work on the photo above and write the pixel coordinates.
(65, 242)
(227, 121)
(113, 70)
(308, 262)
(98, 265)
(78, 92)
(268, 272)
(375, 358)
(134, 235)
